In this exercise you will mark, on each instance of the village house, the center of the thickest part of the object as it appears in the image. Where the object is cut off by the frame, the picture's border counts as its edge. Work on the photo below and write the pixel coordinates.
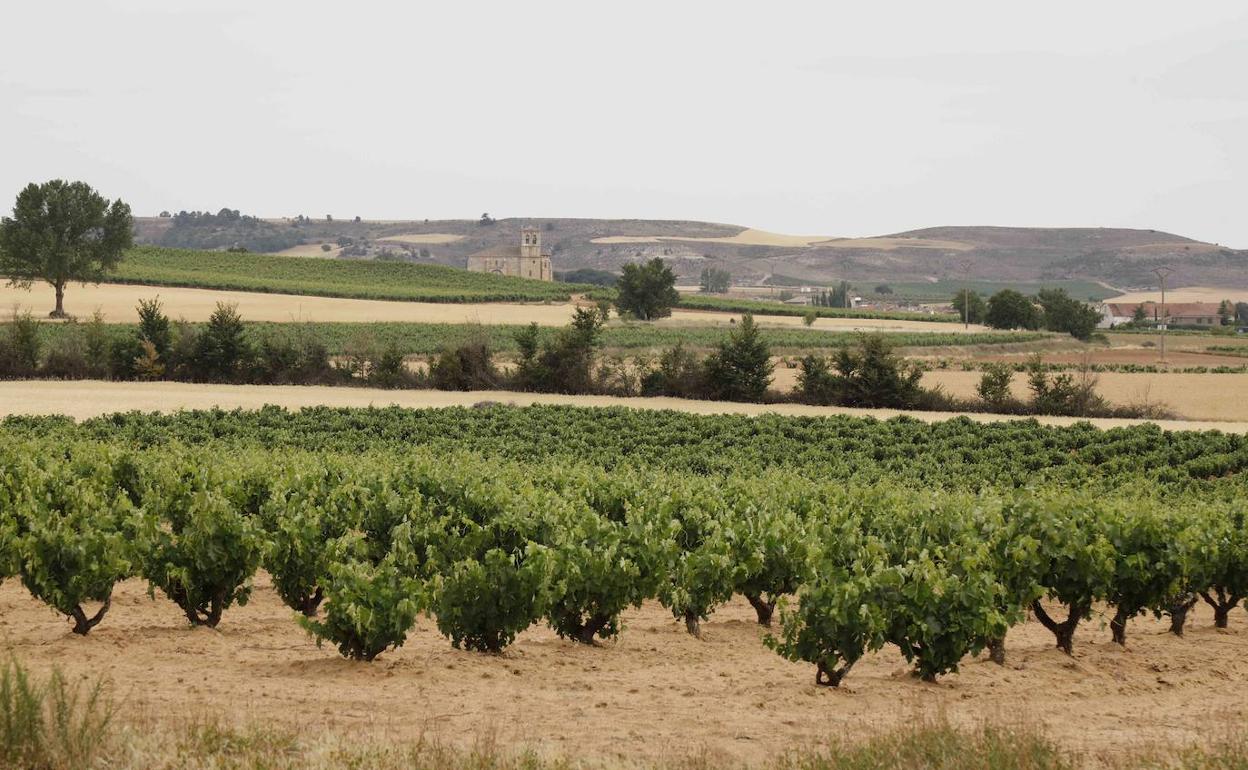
(1175, 313)
(527, 260)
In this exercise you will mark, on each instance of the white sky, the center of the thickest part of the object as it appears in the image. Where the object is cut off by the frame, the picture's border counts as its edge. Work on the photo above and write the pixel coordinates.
(816, 117)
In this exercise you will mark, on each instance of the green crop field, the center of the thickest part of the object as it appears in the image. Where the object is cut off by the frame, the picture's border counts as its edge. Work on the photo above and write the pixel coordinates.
(362, 279)
(763, 307)
(935, 538)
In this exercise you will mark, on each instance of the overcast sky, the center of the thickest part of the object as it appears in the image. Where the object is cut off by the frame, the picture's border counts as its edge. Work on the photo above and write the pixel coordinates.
(810, 118)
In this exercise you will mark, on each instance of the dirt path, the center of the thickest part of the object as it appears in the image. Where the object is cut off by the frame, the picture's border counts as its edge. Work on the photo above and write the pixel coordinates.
(117, 302)
(89, 398)
(655, 693)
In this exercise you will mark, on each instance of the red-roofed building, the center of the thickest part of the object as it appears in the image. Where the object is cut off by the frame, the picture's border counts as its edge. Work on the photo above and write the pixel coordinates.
(1173, 313)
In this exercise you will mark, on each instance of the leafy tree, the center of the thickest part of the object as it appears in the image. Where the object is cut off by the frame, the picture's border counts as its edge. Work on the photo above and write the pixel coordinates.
(154, 326)
(740, 368)
(1241, 313)
(647, 291)
(714, 280)
(1008, 309)
(883, 289)
(678, 373)
(1064, 314)
(1140, 316)
(61, 232)
(970, 306)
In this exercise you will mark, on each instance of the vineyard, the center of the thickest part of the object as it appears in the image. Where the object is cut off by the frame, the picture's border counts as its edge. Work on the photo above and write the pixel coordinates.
(427, 338)
(844, 534)
(762, 307)
(364, 279)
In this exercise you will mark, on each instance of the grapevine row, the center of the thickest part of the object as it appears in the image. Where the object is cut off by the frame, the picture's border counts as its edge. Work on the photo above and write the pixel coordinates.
(361, 546)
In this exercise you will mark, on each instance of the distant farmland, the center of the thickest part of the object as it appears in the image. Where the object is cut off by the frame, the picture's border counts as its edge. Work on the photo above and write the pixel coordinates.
(363, 279)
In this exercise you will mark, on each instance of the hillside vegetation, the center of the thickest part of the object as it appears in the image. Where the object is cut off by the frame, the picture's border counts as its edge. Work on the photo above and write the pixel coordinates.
(363, 279)
(1034, 257)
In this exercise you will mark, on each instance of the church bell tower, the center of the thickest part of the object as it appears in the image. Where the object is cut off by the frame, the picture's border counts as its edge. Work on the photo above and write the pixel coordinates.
(530, 242)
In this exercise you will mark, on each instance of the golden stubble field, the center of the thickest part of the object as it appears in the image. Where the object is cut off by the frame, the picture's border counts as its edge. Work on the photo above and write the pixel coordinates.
(654, 694)
(118, 301)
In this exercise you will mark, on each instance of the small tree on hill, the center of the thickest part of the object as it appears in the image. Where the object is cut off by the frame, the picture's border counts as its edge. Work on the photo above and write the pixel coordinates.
(60, 232)
(648, 291)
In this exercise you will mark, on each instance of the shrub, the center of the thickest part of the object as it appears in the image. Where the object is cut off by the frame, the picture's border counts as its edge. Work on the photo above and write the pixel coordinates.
(67, 355)
(369, 606)
(389, 370)
(197, 547)
(605, 561)
(21, 347)
(1064, 394)
(740, 368)
(469, 366)
(481, 604)
(870, 375)
(75, 543)
(222, 351)
(307, 511)
(994, 386)
(563, 364)
(678, 373)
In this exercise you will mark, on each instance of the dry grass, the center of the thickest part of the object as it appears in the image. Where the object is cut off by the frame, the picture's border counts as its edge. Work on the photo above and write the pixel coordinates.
(1194, 396)
(118, 301)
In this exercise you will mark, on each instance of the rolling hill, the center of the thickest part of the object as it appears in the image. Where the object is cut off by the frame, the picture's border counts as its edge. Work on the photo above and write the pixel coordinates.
(1122, 258)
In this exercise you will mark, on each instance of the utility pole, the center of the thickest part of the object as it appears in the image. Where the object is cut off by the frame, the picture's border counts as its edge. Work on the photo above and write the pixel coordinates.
(1161, 273)
(966, 294)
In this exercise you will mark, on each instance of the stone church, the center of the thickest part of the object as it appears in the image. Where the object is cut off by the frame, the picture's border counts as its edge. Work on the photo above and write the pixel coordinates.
(526, 260)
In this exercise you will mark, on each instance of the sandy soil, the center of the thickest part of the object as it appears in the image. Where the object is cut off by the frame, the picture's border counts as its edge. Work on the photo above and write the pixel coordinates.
(655, 693)
(426, 238)
(1185, 294)
(118, 301)
(89, 398)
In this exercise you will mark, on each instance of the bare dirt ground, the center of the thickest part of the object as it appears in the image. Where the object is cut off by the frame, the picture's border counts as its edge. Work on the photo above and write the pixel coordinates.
(118, 301)
(752, 237)
(426, 238)
(89, 398)
(656, 693)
